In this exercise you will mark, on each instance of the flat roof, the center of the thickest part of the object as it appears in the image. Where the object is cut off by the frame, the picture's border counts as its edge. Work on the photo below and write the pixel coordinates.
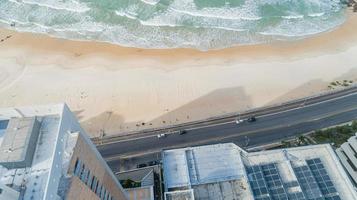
(300, 172)
(180, 195)
(233, 189)
(41, 164)
(49, 159)
(19, 142)
(200, 165)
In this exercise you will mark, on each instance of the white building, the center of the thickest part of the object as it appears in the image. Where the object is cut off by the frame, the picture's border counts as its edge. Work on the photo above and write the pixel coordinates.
(225, 172)
(45, 155)
(348, 156)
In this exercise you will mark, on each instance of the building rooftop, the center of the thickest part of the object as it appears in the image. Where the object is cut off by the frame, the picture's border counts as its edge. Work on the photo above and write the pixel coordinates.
(34, 152)
(200, 165)
(180, 195)
(347, 154)
(310, 172)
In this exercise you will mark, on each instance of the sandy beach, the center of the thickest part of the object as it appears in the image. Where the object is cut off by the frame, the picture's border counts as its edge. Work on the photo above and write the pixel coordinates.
(122, 89)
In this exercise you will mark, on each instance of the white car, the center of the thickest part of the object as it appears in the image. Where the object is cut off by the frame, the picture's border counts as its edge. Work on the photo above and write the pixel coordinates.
(161, 135)
(238, 121)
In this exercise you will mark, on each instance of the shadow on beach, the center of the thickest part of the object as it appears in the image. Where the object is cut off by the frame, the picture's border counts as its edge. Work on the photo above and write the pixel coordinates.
(217, 102)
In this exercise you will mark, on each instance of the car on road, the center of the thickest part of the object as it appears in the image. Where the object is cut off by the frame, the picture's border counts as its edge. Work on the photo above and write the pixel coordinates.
(182, 132)
(238, 121)
(141, 165)
(161, 135)
(152, 163)
(252, 119)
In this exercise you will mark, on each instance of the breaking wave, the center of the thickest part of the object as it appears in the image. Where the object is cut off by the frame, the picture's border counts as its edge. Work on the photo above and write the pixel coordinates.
(201, 24)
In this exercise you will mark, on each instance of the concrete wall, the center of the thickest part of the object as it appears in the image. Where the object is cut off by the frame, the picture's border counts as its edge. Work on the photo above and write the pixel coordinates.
(67, 123)
(87, 154)
(79, 191)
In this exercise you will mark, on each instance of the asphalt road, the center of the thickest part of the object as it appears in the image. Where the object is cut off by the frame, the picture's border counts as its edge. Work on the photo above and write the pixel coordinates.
(267, 129)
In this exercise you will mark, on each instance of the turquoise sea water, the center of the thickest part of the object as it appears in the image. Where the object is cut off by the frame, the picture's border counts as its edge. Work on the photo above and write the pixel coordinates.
(201, 24)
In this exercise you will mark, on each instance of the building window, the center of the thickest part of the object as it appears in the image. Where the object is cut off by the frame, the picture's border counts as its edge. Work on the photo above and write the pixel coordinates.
(102, 193)
(105, 194)
(99, 188)
(90, 180)
(81, 175)
(96, 187)
(84, 175)
(77, 167)
(94, 183)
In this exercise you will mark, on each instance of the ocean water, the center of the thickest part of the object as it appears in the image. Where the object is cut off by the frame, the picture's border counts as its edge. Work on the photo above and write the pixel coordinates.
(201, 24)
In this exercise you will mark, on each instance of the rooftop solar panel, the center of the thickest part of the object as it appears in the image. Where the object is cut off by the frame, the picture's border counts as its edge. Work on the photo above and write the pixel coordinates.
(3, 124)
(274, 182)
(323, 179)
(313, 182)
(307, 182)
(296, 196)
(258, 184)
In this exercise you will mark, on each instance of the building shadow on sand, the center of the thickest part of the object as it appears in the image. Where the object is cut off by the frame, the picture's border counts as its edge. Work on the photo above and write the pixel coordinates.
(217, 102)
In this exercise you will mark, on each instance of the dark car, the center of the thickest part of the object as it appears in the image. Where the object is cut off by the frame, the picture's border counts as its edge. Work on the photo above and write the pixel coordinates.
(252, 119)
(181, 132)
(141, 165)
(152, 163)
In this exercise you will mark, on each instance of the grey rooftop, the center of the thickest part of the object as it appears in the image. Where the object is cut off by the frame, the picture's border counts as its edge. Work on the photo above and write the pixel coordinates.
(225, 171)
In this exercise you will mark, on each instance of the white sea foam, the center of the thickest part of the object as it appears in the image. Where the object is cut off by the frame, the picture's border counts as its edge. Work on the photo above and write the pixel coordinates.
(208, 15)
(293, 17)
(151, 2)
(72, 6)
(125, 14)
(153, 24)
(178, 24)
(161, 24)
(317, 14)
(8, 22)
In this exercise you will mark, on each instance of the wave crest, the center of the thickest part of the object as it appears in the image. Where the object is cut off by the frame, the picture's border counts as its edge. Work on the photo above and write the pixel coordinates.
(174, 23)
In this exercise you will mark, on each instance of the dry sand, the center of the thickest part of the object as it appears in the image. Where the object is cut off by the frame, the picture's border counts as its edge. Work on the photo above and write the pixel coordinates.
(121, 89)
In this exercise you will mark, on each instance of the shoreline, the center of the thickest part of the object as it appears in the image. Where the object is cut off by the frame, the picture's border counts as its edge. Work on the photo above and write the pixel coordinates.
(30, 39)
(121, 89)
